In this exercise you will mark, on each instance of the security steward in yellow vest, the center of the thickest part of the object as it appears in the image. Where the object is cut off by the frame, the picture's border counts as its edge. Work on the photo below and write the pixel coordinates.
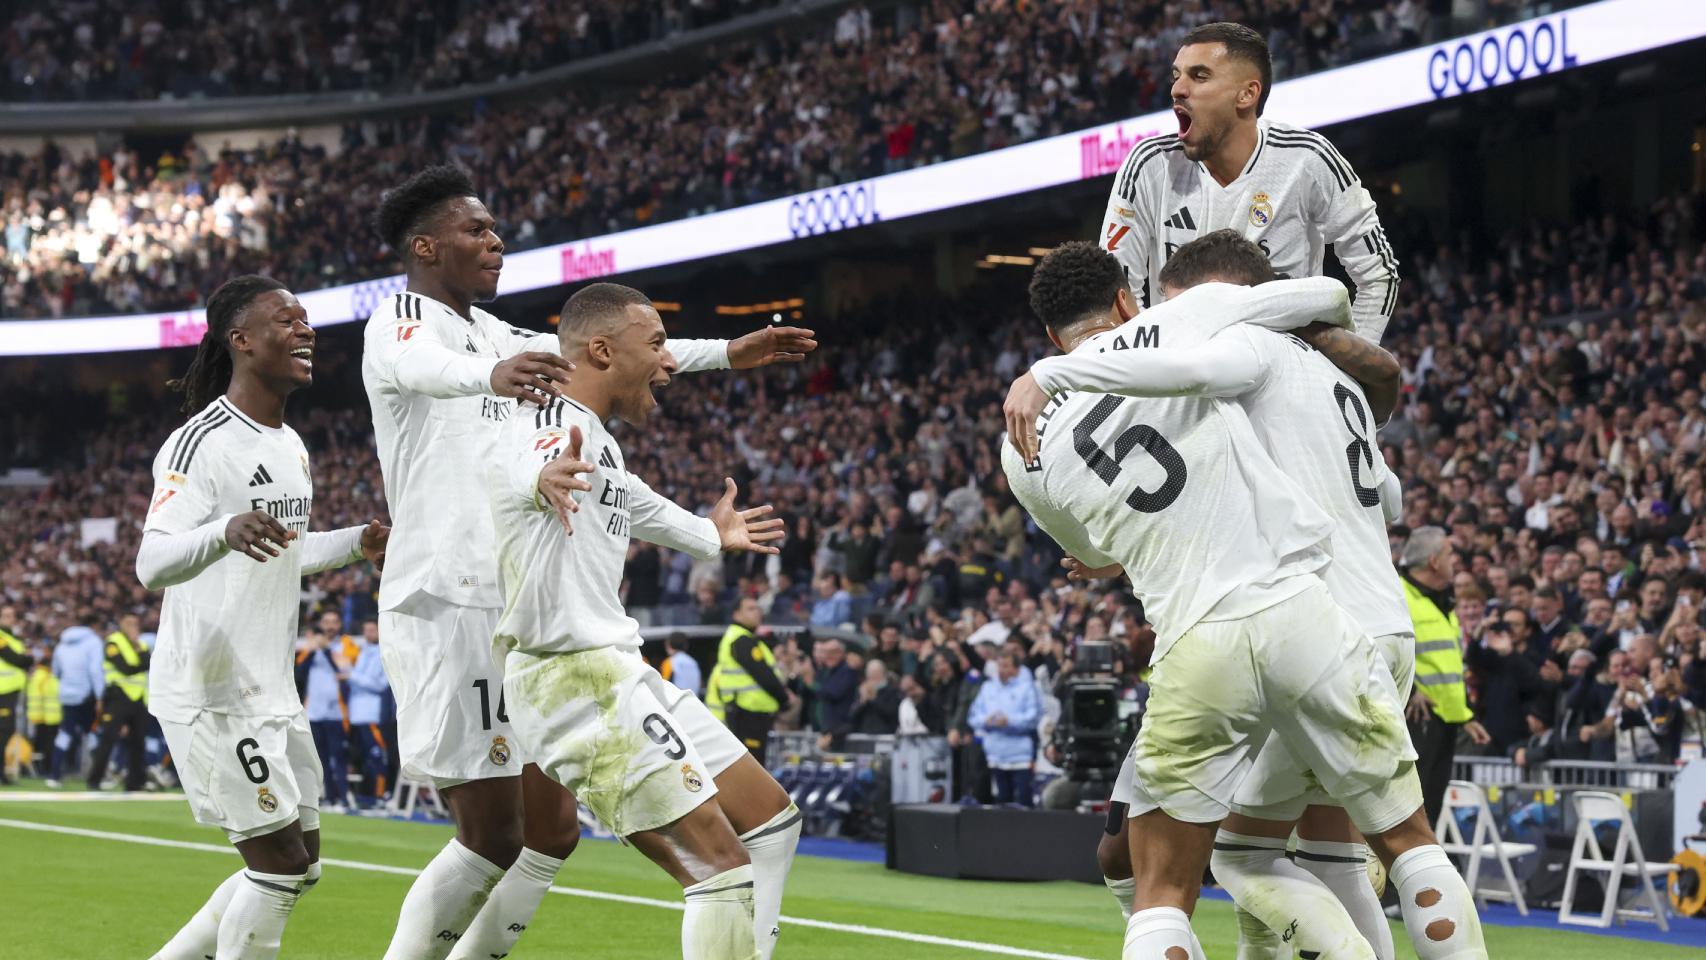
(44, 710)
(15, 664)
(124, 705)
(1439, 707)
(744, 691)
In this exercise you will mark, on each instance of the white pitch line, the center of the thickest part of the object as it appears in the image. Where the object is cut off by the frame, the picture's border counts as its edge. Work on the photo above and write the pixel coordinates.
(85, 796)
(925, 938)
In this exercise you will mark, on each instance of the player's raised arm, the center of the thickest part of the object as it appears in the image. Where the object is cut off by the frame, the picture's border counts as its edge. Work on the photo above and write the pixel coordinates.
(1292, 303)
(1350, 222)
(408, 353)
(746, 530)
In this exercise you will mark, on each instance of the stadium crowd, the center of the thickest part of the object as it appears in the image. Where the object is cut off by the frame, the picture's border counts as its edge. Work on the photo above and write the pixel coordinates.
(870, 93)
(1553, 423)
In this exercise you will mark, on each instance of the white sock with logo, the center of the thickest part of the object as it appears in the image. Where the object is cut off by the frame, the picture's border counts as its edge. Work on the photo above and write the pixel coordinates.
(253, 924)
(514, 901)
(1159, 933)
(441, 904)
(1439, 913)
(1292, 903)
(1343, 867)
(199, 938)
(1256, 941)
(1123, 891)
(771, 847)
(718, 922)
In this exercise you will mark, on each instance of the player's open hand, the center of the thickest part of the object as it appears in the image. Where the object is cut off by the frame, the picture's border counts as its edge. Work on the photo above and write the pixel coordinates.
(771, 345)
(1080, 572)
(561, 479)
(1024, 401)
(745, 530)
(531, 377)
(373, 541)
(257, 535)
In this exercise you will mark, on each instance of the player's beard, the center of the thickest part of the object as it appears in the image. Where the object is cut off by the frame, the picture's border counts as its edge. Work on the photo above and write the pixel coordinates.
(1207, 141)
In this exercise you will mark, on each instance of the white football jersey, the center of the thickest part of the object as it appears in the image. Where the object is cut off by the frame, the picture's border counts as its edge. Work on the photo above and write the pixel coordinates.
(1180, 493)
(1295, 196)
(562, 593)
(1310, 416)
(227, 636)
(428, 377)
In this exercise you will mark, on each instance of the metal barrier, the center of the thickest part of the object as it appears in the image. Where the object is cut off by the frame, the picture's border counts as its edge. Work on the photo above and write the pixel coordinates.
(1503, 772)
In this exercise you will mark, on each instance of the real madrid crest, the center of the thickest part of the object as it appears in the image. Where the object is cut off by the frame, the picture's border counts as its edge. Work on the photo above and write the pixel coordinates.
(499, 754)
(1261, 211)
(690, 779)
(266, 801)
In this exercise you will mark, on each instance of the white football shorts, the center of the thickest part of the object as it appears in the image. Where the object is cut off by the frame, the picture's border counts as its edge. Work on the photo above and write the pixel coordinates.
(1300, 670)
(452, 720)
(599, 723)
(249, 776)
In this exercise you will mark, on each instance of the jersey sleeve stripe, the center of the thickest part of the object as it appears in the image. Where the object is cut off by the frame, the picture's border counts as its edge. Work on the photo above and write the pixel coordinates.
(1334, 157)
(1140, 155)
(1338, 177)
(181, 463)
(185, 431)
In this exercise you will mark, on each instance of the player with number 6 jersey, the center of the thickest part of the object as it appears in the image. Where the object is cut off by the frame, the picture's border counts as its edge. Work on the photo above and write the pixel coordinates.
(227, 537)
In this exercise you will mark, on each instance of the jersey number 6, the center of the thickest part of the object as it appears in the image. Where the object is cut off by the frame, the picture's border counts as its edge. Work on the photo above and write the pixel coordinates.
(1141, 435)
(254, 767)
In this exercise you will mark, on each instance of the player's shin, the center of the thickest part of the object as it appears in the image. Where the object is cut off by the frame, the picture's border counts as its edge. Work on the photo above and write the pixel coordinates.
(442, 903)
(198, 939)
(771, 847)
(1439, 913)
(1256, 941)
(1300, 908)
(717, 924)
(253, 925)
(1343, 867)
(514, 901)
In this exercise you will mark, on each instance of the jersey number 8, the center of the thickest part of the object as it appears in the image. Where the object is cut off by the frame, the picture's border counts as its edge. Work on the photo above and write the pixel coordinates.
(1358, 454)
(1140, 435)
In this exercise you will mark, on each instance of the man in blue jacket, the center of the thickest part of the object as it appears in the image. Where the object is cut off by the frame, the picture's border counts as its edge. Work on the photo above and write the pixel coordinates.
(1005, 716)
(78, 664)
(368, 687)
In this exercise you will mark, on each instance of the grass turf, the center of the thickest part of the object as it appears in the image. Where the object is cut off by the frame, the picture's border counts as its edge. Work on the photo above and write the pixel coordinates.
(82, 897)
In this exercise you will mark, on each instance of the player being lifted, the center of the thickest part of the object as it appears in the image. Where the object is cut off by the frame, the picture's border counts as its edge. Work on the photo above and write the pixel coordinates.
(227, 537)
(1317, 424)
(441, 376)
(1284, 188)
(1224, 550)
(601, 720)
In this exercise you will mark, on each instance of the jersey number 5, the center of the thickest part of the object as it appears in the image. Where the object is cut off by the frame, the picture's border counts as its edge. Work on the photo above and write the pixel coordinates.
(1358, 454)
(1141, 435)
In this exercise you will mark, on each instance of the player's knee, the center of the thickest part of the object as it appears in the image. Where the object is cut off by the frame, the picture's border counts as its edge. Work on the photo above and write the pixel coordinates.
(1113, 856)
(500, 843)
(557, 840)
(1410, 833)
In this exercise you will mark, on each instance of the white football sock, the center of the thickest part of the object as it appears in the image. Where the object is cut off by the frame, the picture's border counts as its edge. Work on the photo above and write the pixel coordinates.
(1123, 891)
(1343, 867)
(1292, 903)
(514, 901)
(199, 939)
(253, 924)
(442, 903)
(1439, 913)
(1159, 933)
(312, 877)
(771, 847)
(718, 921)
(1256, 941)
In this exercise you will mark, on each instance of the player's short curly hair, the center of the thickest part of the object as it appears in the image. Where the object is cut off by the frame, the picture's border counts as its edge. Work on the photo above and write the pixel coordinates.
(1076, 281)
(595, 306)
(405, 210)
(1222, 255)
(1242, 43)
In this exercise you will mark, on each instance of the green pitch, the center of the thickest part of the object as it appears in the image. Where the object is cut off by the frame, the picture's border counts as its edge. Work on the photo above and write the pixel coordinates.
(78, 896)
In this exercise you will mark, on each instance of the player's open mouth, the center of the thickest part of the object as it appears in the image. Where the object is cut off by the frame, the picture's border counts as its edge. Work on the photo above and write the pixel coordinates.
(1184, 121)
(304, 354)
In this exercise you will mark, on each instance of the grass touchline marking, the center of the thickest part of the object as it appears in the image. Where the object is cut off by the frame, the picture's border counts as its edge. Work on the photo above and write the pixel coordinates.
(988, 948)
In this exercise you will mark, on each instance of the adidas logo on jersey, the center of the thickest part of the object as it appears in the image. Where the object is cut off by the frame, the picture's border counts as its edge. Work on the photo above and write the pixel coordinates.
(261, 477)
(1182, 220)
(605, 459)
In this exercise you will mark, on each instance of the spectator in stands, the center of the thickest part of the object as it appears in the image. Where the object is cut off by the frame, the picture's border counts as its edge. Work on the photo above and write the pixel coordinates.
(683, 670)
(78, 666)
(327, 670)
(1542, 744)
(1507, 678)
(1005, 717)
(877, 707)
(368, 689)
(916, 718)
(834, 606)
(834, 685)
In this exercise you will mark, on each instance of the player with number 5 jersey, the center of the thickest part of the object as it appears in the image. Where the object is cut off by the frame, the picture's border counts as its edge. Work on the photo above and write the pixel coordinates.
(227, 536)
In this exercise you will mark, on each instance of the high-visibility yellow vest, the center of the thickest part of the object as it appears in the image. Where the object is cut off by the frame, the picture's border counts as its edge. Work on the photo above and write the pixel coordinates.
(1439, 657)
(730, 683)
(11, 678)
(135, 685)
(43, 696)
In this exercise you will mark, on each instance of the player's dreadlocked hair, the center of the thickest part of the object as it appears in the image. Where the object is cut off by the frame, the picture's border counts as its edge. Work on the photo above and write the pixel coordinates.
(1076, 281)
(403, 211)
(1242, 43)
(210, 372)
(1222, 255)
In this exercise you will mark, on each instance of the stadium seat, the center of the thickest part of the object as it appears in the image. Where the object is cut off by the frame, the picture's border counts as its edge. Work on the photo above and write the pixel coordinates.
(1484, 841)
(410, 793)
(1627, 860)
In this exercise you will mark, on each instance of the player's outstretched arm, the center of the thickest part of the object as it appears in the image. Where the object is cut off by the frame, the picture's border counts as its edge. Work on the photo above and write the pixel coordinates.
(1293, 303)
(745, 530)
(330, 549)
(768, 345)
(1367, 364)
(410, 355)
(168, 559)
